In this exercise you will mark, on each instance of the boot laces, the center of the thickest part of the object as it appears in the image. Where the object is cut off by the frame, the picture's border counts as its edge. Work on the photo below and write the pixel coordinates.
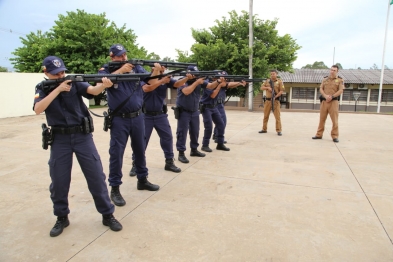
(59, 221)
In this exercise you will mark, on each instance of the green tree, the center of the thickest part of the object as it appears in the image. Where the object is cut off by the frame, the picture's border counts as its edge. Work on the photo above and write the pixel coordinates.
(3, 69)
(374, 66)
(316, 65)
(225, 46)
(339, 66)
(82, 40)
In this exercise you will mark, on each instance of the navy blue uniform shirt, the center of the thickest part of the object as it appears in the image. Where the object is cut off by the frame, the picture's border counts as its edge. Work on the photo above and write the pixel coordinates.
(119, 92)
(222, 95)
(154, 100)
(68, 108)
(206, 99)
(190, 102)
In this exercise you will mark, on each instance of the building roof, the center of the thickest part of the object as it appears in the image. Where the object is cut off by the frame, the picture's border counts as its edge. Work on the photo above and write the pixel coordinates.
(351, 76)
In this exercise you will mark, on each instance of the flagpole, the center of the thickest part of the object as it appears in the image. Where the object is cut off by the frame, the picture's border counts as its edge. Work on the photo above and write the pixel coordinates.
(383, 58)
(250, 45)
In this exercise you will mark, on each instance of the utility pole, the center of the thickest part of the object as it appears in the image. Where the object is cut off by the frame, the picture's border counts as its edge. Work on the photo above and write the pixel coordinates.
(250, 45)
(334, 53)
(390, 2)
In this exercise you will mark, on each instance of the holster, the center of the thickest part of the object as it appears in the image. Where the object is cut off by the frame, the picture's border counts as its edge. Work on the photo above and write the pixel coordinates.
(47, 136)
(107, 121)
(164, 108)
(176, 111)
(201, 108)
(87, 125)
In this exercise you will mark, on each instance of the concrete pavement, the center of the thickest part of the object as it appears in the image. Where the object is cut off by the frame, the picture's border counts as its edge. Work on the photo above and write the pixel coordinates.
(270, 198)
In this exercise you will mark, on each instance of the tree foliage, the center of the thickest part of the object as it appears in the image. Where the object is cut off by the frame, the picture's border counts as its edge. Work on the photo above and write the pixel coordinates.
(316, 65)
(82, 40)
(3, 69)
(225, 46)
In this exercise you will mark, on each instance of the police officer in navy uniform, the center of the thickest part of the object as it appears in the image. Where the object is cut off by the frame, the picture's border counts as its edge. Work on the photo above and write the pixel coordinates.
(156, 117)
(220, 98)
(65, 111)
(128, 122)
(188, 97)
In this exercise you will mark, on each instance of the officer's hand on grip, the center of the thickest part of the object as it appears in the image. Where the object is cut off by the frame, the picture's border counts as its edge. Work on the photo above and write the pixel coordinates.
(64, 87)
(126, 68)
(106, 82)
(166, 79)
(190, 76)
(200, 80)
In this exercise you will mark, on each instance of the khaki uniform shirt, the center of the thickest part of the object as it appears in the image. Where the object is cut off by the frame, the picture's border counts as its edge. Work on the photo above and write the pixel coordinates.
(278, 87)
(331, 85)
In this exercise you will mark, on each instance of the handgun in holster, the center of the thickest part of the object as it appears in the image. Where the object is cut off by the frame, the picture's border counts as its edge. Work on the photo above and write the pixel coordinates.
(201, 108)
(87, 125)
(47, 136)
(177, 111)
(107, 121)
(164, 108)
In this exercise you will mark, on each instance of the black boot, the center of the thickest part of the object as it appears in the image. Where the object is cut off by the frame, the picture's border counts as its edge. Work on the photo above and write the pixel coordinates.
(222, 147)
(61, 223)
(116, 197)
(144, 184)
(206, 149)
(182, 158)
(170, 166)
(133, 169)
(111, 222)
(195, 152)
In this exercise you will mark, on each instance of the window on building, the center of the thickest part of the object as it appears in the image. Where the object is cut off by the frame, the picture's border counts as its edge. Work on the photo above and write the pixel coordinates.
(303, 93)
(387, 95)
(348, 95)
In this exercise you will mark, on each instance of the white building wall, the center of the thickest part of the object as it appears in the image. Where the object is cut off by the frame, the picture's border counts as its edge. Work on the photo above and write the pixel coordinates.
(17, 93)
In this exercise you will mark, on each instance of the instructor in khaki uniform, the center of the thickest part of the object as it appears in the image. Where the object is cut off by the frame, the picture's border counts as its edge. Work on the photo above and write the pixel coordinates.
(331, 88)
(278, 90)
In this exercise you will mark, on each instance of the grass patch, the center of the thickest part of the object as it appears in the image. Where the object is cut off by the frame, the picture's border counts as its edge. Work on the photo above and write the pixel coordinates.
(93, 106)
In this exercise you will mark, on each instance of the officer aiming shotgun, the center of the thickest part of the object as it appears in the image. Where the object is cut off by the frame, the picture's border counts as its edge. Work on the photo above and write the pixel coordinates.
(115, 65)
(49, 85)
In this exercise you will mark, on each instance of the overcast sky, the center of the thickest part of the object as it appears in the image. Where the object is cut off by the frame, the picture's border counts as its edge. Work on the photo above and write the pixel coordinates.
(351, 32)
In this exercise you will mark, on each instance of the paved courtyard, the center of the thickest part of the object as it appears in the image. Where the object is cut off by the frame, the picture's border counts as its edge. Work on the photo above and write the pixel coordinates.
(270, 198)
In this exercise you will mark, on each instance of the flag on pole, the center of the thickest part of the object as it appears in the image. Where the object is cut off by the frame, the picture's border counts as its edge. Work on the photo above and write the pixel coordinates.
(391, 2)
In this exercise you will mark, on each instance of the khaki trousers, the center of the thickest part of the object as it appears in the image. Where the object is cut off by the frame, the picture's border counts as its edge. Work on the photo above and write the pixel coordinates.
(266, 111)
(331, 109)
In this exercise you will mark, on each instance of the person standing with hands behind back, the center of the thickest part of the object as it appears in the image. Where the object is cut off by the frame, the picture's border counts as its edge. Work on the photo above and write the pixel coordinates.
(278, 86)
(65, 111)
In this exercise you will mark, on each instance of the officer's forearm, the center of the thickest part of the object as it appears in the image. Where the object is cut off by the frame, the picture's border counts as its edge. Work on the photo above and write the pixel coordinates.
(180, 82)
(42, 105)
(95, 90)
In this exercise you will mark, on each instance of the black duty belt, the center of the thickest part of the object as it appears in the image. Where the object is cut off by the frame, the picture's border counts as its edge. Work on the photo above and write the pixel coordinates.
(336, 98)
(209, 106)
(67, 130)
(129, 115)
(269, 99)
(189, 111)
(154, 113)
